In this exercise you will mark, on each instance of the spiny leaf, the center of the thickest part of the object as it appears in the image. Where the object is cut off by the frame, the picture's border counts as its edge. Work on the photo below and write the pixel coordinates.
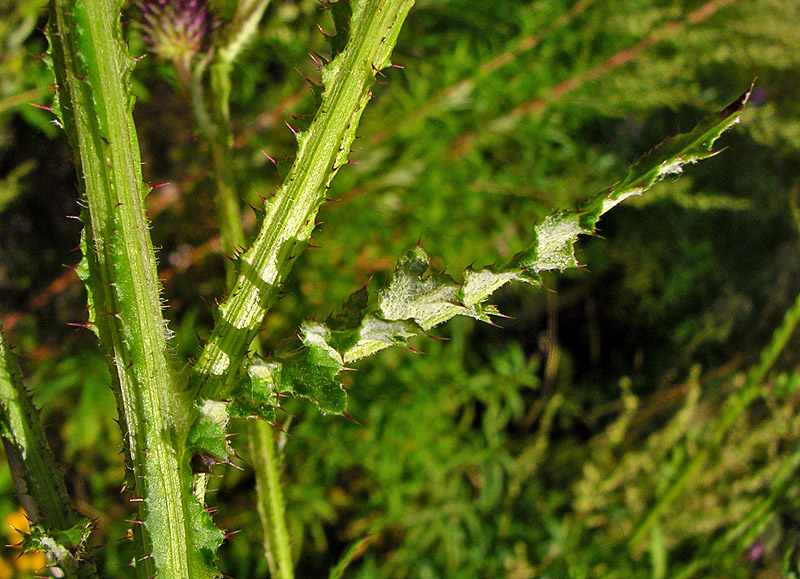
(554, 238)
(416, 298)
(667, 158)
(72, 539)
(320, 384)
(341, 12)
(65, 545)
(373, 333)
(206, 441)
(413, 294)
(309, 372)
(207, 537)
(351, 312)
(254, 393)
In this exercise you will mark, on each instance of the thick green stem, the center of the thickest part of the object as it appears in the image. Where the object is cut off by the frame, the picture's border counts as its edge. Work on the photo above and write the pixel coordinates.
(38, 480)
(290, 215)
(92, 68)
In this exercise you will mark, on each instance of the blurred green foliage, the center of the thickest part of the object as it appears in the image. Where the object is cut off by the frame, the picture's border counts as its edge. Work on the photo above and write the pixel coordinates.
(532, 450)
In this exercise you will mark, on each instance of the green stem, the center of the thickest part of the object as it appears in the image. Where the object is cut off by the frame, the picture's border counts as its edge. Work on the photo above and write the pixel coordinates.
(216, 128)
(288, 224)
(228, 201)
(271, 509)
(733, 409)
(290, 215)
(38, 480)
(746, 530)
(92, 68)
(215, 123)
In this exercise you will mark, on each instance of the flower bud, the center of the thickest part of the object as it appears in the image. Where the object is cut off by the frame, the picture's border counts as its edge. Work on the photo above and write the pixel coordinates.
(177, 30)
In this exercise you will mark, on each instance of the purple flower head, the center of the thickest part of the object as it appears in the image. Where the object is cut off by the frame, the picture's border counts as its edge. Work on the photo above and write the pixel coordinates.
(755, 551)
(177, 30)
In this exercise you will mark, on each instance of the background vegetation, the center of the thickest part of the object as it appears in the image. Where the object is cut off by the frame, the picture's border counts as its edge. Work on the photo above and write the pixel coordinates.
(618, 427)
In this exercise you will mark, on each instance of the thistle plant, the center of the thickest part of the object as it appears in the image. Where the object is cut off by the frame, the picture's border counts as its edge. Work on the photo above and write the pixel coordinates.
(175, 421)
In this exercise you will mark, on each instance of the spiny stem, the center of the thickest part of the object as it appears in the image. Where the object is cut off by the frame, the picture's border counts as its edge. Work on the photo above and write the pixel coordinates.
(215, 127)
(289, 220)
(92, 69)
